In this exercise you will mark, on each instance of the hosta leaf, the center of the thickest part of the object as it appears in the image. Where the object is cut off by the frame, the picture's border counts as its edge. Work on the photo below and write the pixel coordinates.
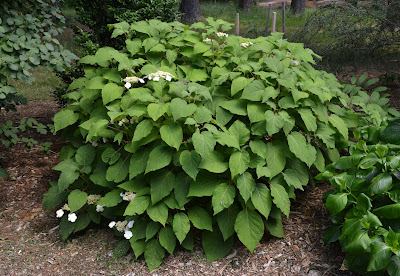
(158, 212)
(172, 135)
(203, 143)
(159, 157)
(261, 199)
(167, 239)
(223, 197)
(200, 218)
(249, 228)
(190, 161)
(305, 152)
(161, 185)
(76, 200)
(181, 226)
(246, 185)
(239, 162)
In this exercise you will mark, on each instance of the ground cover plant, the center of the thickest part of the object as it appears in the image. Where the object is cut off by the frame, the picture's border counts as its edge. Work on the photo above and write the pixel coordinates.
(190, 128)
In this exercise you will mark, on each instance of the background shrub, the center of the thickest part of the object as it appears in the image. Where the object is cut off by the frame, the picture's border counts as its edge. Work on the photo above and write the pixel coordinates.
(187, 127)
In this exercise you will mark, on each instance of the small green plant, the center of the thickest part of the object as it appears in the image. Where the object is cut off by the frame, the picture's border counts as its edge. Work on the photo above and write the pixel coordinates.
(365, 202)
(188, 127)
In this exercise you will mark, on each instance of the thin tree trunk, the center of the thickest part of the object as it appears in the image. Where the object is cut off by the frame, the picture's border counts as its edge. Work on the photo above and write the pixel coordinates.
(245, 5)
(191, 10)
(298, 6)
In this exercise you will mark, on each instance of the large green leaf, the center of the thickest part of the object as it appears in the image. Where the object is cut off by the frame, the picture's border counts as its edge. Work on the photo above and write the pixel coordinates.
(204, 185)
(167, 239)
(340, 125)
(215, 246)
(292, 178)
(190, 161)
(274, 223)
(380, 184)
(142, 130)
(172, 135)
(335, 203)
(214, 162)
(137, 206)
(111, 199)
(239, 162)
(274, 122)
(159, 157)
(275, 158)
(238, 84)
(111, 92)
(261, 199)
(138, 162)
(181, 109)
(181, 226)
(161, 185)
(118, 172)
(280, 196)
(158, 213)
(203, 143)
(391, 211)
(226, 221)
(85, 155)
(249, 227)
(223, 197)
(53, 197)
(298, 145)
(200, 218)
(381, 255)
(76, 200)
(154, 254)
(246, 185)
(64, 118)
(308, 118)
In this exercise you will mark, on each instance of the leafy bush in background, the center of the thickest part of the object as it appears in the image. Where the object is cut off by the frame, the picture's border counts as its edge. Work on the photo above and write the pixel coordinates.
(27, 30)
(99, 13)
(346, 33)
(184, 129)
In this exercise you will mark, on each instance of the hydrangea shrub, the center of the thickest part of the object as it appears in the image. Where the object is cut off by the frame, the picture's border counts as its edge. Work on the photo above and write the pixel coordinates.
(189, 128)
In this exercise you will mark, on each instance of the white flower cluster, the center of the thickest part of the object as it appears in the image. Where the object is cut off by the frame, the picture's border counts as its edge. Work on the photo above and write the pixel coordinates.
(160, 74)
(123, 226)
(92, 199)
(99, 208)
(220, 34)
(207, 40)
(294, 62)
(128, 196)
(123, 121)
(94, 144)
(129, 80)
(72, 217)
(246, 44)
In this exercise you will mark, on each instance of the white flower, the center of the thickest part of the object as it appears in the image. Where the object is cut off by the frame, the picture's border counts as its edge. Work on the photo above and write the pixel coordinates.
(94, 144)
(99, 208)
(295, 62)
(156, 78)
(161, 74)
(66, 207)
(72, 217)
(111, 224)
(120, 123)
(104, 140)
(60, 213)
(220, 34)
(168, 78)
(207, 40)
(141, 80)
(130, 224)
(128, 196)
(128, 85)
(92, 199)
(128, 234)
(246, 44)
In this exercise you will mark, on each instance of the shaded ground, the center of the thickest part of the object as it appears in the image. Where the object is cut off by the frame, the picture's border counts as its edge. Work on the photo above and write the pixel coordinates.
(30, 243)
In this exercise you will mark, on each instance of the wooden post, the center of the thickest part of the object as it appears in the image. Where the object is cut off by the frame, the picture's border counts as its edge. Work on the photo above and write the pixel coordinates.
(273, 22)
(283, 19)
(237, 23)
(266, 26)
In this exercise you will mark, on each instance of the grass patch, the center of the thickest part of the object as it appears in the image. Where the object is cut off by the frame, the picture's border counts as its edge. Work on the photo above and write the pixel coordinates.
(46, 81)
(253, 24)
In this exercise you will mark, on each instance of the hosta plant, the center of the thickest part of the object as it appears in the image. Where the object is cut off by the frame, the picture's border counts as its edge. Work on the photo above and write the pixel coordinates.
(365, 204)
(188, 128)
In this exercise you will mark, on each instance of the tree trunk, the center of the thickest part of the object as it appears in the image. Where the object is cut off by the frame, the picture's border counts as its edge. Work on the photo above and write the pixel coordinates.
(298, 6)
(191, 10)
(245, 5)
